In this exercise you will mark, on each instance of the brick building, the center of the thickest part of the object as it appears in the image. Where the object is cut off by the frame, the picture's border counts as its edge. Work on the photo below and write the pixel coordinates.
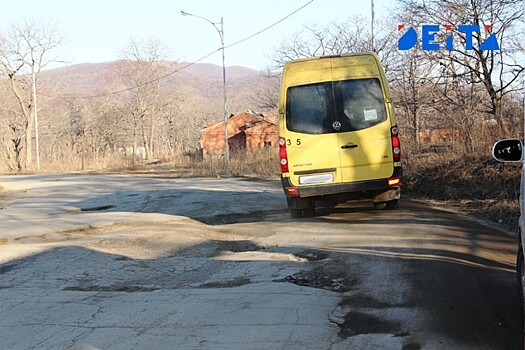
(439, 136)
(247, 130)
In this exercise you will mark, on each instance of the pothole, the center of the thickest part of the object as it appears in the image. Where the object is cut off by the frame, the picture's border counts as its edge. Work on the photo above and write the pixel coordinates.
(99, 208)
(312, 255)
(359, 314)
(412, 346)
(309, 279)
(4, 268)
(237, 282)
(123, 258)
(357, 323)
(225, 219)
(321, 279)
(248, 250)
(114, 288)
(238, 246)
(90, 209)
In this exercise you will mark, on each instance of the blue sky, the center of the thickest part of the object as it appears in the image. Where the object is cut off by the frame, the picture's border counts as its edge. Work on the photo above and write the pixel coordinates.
(98, 30)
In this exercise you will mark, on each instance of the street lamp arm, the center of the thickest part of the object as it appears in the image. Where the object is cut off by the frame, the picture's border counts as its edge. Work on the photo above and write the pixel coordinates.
(219, 30)
(221, 35)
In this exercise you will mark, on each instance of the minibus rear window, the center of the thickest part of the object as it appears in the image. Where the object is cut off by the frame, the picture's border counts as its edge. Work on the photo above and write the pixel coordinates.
(309, 108)
(359, 103)
(356, 104)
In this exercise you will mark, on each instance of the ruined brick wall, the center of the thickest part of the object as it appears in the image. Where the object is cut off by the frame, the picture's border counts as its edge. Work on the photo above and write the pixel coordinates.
(262, 135)
(439, 136)
(257, 132)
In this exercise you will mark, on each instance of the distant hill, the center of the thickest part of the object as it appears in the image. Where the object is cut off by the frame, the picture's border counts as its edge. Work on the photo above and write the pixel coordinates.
(204, 80)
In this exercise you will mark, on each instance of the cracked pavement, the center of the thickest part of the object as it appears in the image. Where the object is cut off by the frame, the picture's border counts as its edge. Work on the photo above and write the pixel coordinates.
(111, 262)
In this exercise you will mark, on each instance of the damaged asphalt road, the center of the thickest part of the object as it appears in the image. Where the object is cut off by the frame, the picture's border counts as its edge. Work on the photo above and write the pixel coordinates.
(109, 262)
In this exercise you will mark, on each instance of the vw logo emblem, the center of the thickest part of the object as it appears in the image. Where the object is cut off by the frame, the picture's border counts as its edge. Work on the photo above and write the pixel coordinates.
(336, 125)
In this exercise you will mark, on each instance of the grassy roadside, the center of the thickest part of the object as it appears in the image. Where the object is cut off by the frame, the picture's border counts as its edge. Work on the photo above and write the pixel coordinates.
(474, 185)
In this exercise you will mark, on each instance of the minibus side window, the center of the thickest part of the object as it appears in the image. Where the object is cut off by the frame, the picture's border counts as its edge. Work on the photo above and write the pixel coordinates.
(309, 108)
(359, 103)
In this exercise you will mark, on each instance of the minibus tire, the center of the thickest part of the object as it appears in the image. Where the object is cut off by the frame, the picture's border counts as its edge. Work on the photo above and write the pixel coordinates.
(379, 205)
(303, 213)
(309, 211)
(296, 213)
(391, 205)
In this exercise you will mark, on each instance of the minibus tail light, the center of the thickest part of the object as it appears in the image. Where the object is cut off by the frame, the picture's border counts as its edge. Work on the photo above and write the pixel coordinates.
(396, 144)
(394, 181)
(292, 191)
(283, 156)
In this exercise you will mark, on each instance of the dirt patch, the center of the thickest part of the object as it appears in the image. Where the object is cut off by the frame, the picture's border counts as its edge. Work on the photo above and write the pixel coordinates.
(82, 229)
(9, 197)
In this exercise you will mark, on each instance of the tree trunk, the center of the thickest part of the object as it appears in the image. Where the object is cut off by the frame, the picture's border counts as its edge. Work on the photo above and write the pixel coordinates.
(151, 136)
(29, 140)
(497, 109)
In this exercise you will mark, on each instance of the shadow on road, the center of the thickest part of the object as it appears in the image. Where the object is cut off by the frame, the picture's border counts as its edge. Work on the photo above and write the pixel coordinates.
(436, 294)
(214, 205)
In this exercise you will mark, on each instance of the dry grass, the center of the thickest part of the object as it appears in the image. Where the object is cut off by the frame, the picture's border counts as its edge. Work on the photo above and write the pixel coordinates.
(474, 184)
(259, 163)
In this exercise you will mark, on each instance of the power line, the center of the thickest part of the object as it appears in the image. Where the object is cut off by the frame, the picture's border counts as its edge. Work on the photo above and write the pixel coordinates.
(116, 92)
(271, 26)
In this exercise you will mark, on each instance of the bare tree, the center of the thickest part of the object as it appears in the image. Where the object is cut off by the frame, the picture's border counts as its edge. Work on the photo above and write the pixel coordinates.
(187, 114)
(141, 70)
(266, 94)
(411, 83)
(11, 133)
(497, 71)
(349, 36)
(24, 52)
(331, 39)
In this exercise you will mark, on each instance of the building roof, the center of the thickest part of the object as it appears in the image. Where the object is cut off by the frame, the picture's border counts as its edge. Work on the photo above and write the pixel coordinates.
(248, 120)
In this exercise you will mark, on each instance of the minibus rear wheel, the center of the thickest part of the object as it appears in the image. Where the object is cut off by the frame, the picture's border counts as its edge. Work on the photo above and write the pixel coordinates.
(393, 204)
(307, 211)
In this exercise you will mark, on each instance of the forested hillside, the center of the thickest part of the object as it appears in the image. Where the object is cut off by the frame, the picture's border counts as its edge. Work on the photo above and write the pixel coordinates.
(90, 114)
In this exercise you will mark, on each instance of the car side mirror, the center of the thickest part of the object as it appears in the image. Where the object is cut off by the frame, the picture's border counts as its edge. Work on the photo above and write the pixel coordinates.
(510, 150)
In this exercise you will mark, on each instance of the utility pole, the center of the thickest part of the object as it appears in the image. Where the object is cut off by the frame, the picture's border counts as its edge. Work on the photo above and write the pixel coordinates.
(373, 18)
(225, 110)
